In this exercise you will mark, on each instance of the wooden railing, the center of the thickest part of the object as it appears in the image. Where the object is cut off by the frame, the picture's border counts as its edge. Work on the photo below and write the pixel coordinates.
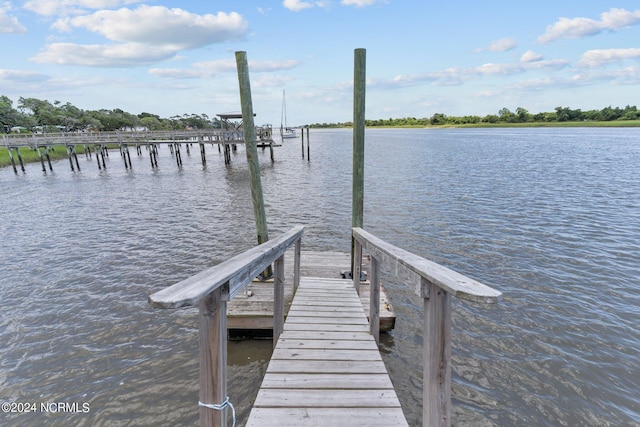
(437, 285)
(210, 290)
(214, 136)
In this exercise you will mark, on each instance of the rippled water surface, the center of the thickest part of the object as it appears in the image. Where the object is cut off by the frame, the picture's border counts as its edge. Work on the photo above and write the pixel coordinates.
(550, 217)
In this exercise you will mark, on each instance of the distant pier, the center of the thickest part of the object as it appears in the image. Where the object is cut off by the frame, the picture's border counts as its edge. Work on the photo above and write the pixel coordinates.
(227, 139)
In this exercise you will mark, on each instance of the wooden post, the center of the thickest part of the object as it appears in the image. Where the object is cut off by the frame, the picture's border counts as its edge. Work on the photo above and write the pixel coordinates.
(213, 357)
(41, 159)
(359, 84)
(308, 146)
(20, 159)
(436, 397)
(252, 150)
(356, 265)
(278, 299)
(302, 136)
(296, 266)
(374, 300)
(13, 163)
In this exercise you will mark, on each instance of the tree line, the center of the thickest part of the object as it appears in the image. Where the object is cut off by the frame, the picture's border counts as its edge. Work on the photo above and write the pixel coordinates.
(504, 115)
(34, 114)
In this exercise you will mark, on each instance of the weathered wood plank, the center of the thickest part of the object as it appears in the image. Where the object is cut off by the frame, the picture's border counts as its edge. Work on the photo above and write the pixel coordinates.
(458, 285)
(238, 271)
(322, 335)
(316, 344)
(328, 320)
(314, 417)
(321, 373)
(325, 327)
(319, 354)
(327, 366)
(327, 381)
(277, 398)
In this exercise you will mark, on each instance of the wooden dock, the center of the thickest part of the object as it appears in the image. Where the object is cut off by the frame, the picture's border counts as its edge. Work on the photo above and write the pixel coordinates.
(227, 139)
(251, 313)
(326, 369)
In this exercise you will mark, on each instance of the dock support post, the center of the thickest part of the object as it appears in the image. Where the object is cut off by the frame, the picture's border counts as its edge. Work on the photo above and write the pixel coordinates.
(359, 86)
(20, 159)
(213, 357)
(356, 265)
(251, 150)
(278, 299)
(296, 266)
(178, 155)
(202, 153)
(71, 151)
(308, 145)
(436, 398)
(100, 151)
(302, 138)
(374, 300)
(13, 162)
(41, 158)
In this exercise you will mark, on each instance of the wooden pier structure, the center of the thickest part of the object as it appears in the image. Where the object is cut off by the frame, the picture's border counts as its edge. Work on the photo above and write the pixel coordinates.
(226, 138)
(326, 369)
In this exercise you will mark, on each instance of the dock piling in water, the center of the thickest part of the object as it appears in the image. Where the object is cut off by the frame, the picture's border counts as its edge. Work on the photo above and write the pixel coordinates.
(251, 150)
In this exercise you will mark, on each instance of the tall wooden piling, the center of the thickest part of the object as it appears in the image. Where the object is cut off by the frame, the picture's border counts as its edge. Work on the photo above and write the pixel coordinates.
(251, 149)
(359, 85)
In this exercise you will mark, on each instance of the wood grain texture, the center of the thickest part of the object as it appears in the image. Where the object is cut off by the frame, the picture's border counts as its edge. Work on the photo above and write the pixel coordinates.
(458, 285)
(326, 368)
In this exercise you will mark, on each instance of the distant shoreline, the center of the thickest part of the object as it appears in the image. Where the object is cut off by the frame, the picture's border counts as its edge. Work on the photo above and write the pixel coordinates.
(607, 124)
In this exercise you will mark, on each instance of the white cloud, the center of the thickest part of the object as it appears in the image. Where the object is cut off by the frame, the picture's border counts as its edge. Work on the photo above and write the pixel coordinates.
(530, 56)
(358, 3)
(145, 35)
(9, 24)
(158, 25)
(598, 57)
(501, 45)
(297, 5)
(455, 76)
(121, 55)
(575, 28)
(72, 7)
(21, 76)
(208, 69)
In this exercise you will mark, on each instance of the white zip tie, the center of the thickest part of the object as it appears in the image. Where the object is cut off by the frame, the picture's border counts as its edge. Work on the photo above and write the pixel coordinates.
(220, 407)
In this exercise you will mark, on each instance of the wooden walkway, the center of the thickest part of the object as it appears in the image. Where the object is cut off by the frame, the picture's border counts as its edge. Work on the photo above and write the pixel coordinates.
(252, 311)
(326, 368)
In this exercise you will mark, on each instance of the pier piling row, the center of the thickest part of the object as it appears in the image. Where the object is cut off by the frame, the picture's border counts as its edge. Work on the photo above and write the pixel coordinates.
(227, 140)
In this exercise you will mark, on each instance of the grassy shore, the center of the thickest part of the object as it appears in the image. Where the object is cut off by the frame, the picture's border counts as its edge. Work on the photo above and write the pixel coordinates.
(31, 155)
(607, 124)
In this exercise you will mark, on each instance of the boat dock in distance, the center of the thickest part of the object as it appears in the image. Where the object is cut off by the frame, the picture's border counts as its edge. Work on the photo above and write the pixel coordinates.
(226, 138)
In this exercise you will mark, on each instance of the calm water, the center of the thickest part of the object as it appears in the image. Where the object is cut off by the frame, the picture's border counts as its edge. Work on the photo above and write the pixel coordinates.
(551, 217)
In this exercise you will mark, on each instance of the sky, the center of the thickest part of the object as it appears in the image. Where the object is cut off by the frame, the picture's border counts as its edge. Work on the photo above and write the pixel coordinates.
(422, 57)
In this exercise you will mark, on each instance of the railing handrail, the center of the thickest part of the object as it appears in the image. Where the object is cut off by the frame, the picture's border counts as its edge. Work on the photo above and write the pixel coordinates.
(238, 271)
(437, 285)
(210, 290)
(455, 283)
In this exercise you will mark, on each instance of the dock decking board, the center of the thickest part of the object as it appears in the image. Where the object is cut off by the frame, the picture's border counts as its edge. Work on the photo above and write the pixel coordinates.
(326, 370)
(256, 311)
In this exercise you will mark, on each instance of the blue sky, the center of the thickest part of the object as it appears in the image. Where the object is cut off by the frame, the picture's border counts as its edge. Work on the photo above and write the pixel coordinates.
(423, 57)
